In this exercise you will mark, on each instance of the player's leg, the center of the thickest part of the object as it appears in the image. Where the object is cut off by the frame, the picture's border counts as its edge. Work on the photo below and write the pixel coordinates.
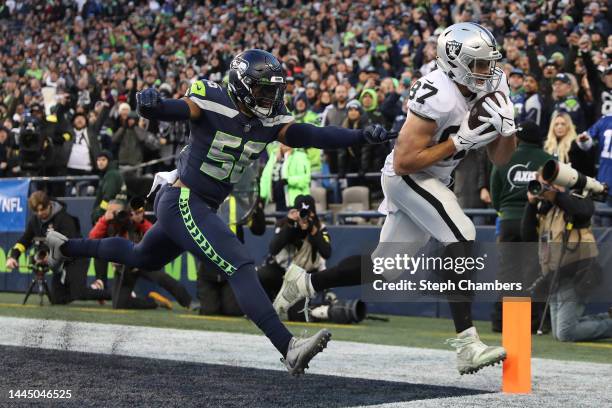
(197, 229)
(154, 251)
(297, 284)
(431, 205)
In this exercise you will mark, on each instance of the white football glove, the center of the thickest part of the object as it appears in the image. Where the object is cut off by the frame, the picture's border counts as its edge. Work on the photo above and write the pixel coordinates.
(469, 139)
(502, 115)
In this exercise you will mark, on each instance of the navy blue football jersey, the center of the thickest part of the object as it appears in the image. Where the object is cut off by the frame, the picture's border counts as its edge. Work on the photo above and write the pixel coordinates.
(223, 142)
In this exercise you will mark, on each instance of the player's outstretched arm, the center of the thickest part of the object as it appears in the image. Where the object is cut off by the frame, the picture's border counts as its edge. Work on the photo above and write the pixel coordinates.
(412, 151)
(151, 105)
(331, 137)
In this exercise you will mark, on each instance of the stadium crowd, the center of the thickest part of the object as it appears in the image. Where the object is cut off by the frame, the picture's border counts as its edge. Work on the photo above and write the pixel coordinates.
(70, 70)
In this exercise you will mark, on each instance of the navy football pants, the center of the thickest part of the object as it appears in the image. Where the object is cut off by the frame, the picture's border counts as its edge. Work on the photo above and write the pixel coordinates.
(186, 223)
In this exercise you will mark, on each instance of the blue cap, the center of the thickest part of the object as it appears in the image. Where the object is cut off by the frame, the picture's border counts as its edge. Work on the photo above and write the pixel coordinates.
(517, 71)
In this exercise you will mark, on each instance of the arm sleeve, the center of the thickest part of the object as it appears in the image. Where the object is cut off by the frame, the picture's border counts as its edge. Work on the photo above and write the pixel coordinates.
(580, 208)
(326, 137)
(24, 241)
(118, 135)
(168, 110)
(321, 242)
(281, 239)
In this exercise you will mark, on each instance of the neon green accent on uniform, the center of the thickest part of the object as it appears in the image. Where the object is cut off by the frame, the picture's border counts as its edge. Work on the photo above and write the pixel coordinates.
(174, 268)
(232, 213)
(192, 270)
(198, 88)
(198, 237)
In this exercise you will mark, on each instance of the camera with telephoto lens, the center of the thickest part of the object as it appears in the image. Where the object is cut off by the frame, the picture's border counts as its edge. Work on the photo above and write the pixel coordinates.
(536, 187)
(562, 174)
(38, 257)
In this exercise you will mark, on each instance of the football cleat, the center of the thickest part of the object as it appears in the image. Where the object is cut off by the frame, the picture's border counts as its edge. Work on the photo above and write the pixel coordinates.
(302, 350)
(473, 354)
(161, 301)
(54, 241)
(296, 286)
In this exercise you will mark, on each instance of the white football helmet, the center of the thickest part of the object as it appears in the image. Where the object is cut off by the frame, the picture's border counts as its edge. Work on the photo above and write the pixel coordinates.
(467, 53)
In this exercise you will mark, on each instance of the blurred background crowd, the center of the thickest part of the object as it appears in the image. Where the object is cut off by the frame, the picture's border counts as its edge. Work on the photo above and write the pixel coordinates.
(69, 71)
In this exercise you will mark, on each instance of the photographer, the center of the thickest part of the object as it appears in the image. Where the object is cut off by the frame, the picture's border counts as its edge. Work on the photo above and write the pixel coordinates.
(67, 285)
(300, 239)
(561, 222)
(130, 223)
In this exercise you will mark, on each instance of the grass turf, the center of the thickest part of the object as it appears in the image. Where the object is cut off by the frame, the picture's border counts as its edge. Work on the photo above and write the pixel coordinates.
(399, 330)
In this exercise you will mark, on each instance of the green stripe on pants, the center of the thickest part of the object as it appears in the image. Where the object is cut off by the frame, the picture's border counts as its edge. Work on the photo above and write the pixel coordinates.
(198, 236)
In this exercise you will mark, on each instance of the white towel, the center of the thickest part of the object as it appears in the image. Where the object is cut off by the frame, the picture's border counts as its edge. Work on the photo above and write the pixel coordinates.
(163, 177)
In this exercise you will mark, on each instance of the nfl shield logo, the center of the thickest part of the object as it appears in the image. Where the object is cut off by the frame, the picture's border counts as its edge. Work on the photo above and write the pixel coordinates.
(453, 48)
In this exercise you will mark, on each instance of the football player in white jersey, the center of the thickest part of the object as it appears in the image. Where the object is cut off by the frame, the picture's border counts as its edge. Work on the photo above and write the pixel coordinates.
(415, 179)
(433, 140)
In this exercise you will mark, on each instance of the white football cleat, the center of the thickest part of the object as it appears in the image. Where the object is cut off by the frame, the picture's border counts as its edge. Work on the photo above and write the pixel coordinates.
(473, 354)
(296, 286)
(302, 349)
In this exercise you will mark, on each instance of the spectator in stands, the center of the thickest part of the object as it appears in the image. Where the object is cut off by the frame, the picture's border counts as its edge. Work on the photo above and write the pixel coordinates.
(111, 185)
(533, 109)
(517, 91)
(302, 114)
(600, 134)
(82, 145)
(130, 139)
(70, 282)
(566, 101)
(561, 142)
(5, 152)
(336, 113)
(285, 176)
(369, 103)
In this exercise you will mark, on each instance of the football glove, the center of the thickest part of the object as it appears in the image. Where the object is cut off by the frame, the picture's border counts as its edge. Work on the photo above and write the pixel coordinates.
(502, 115)
(469, 139)
(584, 141)
(374, 134)
(149, 98)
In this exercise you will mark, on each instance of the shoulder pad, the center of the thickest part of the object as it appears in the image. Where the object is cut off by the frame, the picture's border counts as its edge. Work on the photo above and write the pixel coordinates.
(431, 96)
(197, 89)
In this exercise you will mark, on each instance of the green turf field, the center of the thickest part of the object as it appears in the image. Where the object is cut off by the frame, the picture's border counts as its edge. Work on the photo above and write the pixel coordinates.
(400, 331)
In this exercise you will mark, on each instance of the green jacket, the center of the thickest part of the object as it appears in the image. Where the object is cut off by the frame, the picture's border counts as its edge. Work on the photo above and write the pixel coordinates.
(296, 170)
(509, 182)
(314, 154)
(111, 187)
(373, 113)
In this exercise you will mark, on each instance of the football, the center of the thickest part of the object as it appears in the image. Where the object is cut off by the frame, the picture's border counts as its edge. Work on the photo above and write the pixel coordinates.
(479, 110)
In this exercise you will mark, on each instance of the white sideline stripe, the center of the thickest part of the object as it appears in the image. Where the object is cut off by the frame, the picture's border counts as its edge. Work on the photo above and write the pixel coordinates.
(556, 383)
(215, 107)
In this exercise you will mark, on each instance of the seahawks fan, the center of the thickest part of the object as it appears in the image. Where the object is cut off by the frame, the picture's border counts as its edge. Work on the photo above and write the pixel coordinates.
(417, 173)
(229, 129)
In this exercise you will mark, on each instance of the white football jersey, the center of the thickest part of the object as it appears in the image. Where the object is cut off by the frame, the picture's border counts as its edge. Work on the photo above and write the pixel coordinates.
(435, 96)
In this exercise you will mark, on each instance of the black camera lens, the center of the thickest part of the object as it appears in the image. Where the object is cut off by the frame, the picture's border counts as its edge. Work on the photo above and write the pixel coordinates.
(304, 212)
(535, 187)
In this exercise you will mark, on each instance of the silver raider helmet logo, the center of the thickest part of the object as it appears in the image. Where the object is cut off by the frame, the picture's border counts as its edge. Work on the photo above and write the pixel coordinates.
(453, 48)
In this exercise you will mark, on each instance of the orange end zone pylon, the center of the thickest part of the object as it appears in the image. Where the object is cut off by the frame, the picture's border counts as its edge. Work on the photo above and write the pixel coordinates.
(516, 333)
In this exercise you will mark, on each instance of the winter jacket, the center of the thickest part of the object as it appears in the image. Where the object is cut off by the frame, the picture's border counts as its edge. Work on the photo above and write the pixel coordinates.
(111, 187)
(59, 220)
(296, 172)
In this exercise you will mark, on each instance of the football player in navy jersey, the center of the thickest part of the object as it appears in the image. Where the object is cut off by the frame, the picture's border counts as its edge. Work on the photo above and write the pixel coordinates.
(230, 127)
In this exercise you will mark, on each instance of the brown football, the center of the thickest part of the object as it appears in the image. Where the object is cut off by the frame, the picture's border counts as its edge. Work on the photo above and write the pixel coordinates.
(478, 110)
